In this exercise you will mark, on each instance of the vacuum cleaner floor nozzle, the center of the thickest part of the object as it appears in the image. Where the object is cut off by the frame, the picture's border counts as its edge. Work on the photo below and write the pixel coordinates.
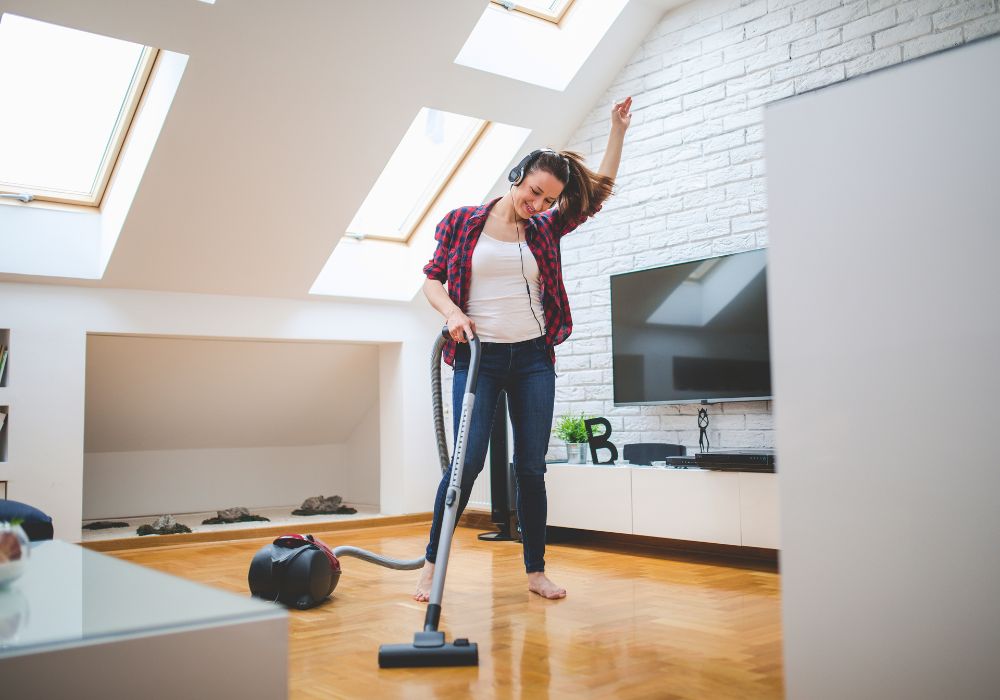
(429, 649)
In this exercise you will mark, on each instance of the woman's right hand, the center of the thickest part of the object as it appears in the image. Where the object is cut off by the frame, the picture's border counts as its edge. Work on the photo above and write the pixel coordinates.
(460, 326)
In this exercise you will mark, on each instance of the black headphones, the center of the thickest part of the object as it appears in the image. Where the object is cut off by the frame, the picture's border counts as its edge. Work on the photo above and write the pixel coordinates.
(524, 166)
(515, 178)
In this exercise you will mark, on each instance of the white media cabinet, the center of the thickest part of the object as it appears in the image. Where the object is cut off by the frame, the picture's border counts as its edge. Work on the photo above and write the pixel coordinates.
(724, 507)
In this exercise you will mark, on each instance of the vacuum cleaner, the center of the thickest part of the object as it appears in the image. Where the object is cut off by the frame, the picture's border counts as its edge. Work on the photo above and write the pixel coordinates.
(429, 647)
(300, 571)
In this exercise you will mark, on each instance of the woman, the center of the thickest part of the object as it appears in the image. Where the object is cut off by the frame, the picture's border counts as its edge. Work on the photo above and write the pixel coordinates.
(501, 261)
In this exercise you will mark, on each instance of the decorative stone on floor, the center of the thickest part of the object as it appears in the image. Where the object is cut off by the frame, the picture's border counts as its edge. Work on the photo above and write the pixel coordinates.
(320, 505)
(164, 525)
(278, 515)
(104, 525)
(239, 514)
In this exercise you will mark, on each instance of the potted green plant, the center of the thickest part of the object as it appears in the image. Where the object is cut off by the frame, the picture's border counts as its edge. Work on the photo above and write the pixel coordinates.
(571, 430)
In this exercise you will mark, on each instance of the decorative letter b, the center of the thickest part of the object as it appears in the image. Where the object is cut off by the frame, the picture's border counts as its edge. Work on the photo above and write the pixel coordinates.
(596, 442)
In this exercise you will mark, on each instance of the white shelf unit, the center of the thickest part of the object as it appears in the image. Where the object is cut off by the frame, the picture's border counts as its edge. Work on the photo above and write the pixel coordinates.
(723, 507)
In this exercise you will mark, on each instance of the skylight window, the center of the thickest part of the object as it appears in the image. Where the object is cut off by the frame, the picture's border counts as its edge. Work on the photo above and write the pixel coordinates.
(388, 271)
(69, 97)
(430, 152)
(550, 10)
(516, 45)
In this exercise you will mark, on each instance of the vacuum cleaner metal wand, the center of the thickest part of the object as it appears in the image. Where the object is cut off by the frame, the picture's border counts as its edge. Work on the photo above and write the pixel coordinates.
(429, 647)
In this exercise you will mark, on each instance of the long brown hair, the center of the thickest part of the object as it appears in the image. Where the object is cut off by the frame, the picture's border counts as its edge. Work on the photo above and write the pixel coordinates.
(586, 189)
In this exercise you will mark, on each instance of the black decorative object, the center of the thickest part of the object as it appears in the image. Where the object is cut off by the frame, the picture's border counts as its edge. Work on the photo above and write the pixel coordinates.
(164, 525)
(320, 505)
(703, 443)
(342, 510)
(104, 525)
(239, 514)
(645, 453)
(237, 519)
(600, 440)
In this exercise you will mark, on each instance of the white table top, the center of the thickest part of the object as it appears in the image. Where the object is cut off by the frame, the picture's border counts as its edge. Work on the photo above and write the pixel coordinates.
(69, 596)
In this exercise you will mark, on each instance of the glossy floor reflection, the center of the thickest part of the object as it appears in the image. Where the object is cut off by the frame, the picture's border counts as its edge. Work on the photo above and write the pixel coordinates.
(634, 625)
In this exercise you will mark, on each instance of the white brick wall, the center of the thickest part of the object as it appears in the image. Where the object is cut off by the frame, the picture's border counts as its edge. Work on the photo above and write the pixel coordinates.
(692, 183)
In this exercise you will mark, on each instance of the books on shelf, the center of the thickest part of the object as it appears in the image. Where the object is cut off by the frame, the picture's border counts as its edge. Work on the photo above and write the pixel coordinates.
(3, 360)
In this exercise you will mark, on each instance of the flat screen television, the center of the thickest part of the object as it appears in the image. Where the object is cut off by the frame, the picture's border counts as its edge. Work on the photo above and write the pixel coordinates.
(694, 332)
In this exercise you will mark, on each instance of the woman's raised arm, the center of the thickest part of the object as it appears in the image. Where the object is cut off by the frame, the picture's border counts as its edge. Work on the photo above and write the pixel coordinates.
(620, 119)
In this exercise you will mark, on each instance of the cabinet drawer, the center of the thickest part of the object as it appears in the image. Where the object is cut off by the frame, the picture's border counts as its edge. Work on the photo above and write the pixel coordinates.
(590, 498)
(759, 510)
(703, 506)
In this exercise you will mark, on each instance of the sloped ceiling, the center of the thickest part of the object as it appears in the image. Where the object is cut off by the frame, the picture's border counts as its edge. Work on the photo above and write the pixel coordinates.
(286, 115)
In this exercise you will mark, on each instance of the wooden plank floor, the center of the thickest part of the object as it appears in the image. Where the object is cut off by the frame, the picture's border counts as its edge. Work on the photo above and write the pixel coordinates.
(635, 624)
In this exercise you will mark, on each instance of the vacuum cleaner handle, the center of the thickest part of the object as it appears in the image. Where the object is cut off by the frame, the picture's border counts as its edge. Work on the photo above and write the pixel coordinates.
(447, 336)
(429, 647)
(453, 493)
(475, 348)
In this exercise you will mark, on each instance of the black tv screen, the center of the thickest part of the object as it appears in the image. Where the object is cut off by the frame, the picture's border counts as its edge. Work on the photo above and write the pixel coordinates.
(692, 332)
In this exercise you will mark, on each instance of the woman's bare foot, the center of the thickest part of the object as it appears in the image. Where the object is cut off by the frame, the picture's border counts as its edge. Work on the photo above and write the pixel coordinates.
(423, 592)
(539, 583)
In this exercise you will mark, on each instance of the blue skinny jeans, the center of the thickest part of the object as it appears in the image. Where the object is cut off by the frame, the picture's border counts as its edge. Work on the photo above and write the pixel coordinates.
(525, 372)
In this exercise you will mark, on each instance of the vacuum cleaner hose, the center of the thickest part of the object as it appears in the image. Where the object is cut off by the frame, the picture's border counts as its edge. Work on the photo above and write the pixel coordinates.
(373, 558)
(442, 441)
(442, 444)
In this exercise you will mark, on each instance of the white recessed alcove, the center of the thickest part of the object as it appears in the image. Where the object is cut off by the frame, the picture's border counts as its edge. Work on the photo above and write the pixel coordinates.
(191, 425)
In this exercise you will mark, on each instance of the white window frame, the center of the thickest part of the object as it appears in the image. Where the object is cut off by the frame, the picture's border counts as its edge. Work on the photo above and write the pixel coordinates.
(554, 18)
(435, 193)
(130, 105)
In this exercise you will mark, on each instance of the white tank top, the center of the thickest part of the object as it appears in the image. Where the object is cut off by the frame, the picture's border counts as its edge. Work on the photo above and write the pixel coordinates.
(504, 307)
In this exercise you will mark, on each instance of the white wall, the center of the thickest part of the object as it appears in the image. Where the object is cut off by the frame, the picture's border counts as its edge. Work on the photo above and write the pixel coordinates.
(154, 482)
(157, 393)
(49, 327)
(885, 329)
(358, 474)
(692, 178)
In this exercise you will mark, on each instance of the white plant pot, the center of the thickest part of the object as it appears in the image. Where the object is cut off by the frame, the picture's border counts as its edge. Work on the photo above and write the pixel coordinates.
(576, 452)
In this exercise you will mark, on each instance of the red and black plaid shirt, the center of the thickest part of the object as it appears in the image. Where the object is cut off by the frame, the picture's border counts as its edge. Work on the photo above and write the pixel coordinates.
(457, 235)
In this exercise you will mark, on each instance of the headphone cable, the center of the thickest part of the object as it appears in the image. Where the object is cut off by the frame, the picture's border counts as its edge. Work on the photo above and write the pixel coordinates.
(527, 287)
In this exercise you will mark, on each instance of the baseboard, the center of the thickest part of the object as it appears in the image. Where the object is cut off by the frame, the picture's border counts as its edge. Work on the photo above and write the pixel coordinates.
(750, 557)
(477, 520)
(758, 557)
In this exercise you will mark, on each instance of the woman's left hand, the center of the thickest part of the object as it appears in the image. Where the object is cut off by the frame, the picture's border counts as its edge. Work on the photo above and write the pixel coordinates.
(620, 115)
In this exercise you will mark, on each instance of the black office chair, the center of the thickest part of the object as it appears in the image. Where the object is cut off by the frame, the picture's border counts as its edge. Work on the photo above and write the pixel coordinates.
(649, 452)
